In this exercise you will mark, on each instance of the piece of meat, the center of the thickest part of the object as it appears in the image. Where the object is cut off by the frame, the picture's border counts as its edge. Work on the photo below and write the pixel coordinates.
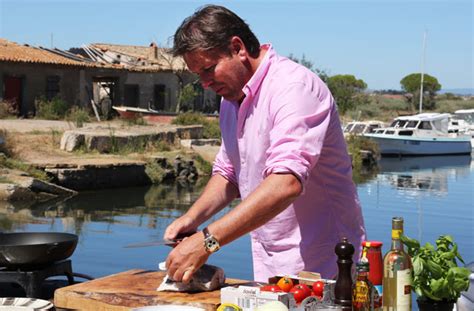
(207, 278)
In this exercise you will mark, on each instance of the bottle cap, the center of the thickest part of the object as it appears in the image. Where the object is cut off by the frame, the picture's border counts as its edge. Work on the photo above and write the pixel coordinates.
(397, 223)
(362, 266)
(372, 244)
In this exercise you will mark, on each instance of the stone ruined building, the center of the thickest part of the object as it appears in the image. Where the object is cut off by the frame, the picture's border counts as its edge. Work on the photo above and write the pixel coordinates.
(102, 74)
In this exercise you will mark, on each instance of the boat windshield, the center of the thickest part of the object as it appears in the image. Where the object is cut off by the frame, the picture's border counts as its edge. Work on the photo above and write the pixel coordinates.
(373, 127)
(348, 128)
(404, 124)
(398, 123)
(411, 124)
(358, 128)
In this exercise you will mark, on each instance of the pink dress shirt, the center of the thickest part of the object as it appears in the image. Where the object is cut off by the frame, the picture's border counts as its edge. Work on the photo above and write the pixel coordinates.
(288, 123)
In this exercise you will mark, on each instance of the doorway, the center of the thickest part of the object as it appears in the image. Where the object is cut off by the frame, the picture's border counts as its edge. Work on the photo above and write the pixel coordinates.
(13, 87)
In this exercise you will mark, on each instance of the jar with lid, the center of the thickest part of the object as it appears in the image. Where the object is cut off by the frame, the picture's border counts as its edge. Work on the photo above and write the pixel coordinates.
(372, 253)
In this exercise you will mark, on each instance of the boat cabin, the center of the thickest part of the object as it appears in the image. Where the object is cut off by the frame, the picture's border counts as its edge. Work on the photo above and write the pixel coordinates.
(424, 124)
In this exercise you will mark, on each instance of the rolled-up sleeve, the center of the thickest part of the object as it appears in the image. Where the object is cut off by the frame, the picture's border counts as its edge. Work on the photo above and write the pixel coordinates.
(300, 121)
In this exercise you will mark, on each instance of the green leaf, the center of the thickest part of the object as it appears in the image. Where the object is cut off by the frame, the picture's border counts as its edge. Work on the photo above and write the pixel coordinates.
(410, 243)
(429, 246)
(438, 287)
(417, 265)
(435, 269)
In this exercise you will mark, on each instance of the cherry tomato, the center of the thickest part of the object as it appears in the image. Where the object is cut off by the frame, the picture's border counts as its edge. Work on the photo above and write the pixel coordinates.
(318, 288)
(285, 284)
(271, 288)
(300, 292)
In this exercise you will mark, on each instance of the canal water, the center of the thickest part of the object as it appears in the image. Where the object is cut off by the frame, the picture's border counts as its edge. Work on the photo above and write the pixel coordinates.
(433, 194)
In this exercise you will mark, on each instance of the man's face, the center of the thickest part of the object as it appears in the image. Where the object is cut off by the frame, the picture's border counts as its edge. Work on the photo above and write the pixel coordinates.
(225, 74)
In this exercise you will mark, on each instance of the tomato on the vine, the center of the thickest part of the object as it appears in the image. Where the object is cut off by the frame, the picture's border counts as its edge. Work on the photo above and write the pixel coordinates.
(285, 284)
(318, 288)
(300, 292)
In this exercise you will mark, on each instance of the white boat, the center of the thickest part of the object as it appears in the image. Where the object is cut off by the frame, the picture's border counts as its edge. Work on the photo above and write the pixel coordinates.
(421, 134)
(462, 123)
(362, 127)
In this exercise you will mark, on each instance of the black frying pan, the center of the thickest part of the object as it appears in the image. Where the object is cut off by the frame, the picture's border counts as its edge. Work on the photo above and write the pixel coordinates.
(29, 249)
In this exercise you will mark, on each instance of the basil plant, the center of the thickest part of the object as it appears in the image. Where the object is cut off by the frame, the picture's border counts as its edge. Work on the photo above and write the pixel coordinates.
(436, 275)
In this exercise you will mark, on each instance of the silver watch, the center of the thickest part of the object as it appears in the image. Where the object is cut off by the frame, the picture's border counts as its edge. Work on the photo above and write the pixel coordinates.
(210, 243)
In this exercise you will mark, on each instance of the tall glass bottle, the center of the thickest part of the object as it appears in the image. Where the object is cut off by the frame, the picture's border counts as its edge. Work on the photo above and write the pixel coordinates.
(397, 273)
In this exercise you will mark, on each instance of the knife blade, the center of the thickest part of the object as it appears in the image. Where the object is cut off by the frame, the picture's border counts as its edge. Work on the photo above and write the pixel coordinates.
(167, 242)
(171, 243)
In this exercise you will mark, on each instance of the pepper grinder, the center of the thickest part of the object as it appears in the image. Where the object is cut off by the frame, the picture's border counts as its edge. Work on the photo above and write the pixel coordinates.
(343, 288)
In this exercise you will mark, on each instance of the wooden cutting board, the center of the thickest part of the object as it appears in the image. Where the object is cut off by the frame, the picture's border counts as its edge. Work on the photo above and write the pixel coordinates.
(131, 289)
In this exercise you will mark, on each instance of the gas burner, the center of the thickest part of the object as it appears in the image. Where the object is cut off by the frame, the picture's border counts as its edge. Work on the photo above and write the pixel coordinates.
(31, 278)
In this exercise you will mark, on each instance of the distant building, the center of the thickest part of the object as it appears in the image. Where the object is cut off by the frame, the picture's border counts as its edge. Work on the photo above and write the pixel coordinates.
(105, 74)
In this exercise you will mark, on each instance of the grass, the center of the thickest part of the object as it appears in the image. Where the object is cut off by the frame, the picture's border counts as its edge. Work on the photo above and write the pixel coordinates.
(211, 126)
(202, 165)
(30, 170)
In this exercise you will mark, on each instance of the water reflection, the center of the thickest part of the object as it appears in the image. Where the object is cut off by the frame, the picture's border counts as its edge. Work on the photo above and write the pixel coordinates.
(431, 174)
(433, 194)
(148, 203)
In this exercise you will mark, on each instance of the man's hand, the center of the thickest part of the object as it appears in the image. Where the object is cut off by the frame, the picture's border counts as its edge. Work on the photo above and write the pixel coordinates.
(180, 226)
(186, 258)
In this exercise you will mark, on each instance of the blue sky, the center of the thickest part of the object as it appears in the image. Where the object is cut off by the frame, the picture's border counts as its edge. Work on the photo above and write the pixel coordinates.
(378, 41)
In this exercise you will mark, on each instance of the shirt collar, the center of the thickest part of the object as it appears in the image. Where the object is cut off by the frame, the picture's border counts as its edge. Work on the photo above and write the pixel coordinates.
(252, 86)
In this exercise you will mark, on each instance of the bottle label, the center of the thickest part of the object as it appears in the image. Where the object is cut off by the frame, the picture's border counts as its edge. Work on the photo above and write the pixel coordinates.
(396, 233)
(404, 289)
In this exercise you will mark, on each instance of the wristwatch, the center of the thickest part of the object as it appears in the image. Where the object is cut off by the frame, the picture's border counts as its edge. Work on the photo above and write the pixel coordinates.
(210, 243)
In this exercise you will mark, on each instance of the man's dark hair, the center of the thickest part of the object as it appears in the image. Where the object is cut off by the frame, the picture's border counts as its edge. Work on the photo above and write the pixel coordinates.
(212, 27)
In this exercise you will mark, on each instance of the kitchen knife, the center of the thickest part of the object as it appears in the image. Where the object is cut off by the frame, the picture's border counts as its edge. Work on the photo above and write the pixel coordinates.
(167, 242)
(171, 243)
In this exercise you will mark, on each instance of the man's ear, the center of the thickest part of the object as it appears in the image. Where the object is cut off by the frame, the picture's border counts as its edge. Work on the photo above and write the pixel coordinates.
(238, 47)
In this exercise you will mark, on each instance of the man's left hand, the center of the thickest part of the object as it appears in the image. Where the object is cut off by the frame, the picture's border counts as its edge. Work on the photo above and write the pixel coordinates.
(186, 258)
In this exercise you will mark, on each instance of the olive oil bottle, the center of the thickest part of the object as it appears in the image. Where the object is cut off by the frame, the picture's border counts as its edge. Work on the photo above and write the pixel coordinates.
(397, 271)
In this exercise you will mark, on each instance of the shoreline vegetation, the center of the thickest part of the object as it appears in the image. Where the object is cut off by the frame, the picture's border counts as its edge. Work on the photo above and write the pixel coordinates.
(161, 157)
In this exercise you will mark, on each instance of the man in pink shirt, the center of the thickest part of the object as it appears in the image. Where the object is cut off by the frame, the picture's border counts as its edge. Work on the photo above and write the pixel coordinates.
(283, 153)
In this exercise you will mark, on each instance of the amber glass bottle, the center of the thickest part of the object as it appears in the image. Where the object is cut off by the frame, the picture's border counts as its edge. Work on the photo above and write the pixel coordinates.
(362, 289)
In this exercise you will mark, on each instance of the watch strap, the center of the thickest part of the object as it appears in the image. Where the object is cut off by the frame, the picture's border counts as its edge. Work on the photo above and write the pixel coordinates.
(206, 233)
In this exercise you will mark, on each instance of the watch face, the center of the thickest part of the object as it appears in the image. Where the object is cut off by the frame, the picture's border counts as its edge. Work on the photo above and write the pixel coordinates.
(212, 245)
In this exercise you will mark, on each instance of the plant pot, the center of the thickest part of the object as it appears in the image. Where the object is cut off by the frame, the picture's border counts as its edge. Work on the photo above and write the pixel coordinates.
(433, 305)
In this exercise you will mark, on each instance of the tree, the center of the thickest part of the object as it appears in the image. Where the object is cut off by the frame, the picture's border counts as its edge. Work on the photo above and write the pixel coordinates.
(412, 85)
(347, 91)
(309, 64)
(185, 97)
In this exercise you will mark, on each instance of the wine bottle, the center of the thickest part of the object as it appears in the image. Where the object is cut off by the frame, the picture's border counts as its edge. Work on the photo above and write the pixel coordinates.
(397, 271)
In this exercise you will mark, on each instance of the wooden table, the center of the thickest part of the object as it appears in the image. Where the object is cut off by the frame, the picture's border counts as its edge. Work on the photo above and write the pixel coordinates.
(131, 289)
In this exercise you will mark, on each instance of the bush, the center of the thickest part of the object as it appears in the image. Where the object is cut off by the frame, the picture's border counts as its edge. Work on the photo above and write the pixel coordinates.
(8, 109)
(450, 106)
(78, 115)
(54, 109)
(361, 171)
